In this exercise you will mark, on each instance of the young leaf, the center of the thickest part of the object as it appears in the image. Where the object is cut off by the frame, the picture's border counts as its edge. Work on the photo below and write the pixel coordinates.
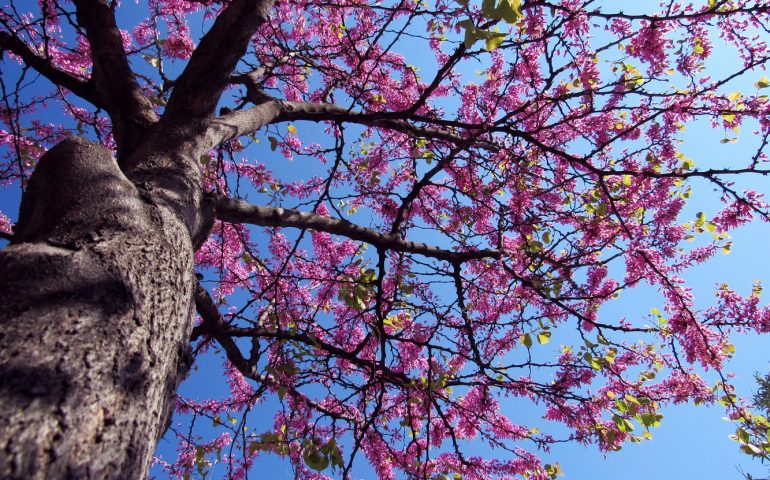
(494, 41)
(763, 82)
(154, 61)
(315, 459)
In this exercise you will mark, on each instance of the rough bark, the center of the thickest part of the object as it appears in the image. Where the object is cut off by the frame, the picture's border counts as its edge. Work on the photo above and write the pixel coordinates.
(96, 291)
(95, 312)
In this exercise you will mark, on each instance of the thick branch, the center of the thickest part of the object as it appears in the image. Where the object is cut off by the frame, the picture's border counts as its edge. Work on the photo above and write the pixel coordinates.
(81, 88)
(197, 91)
(322, 111)
(129, 108)
(457, 276)
(214, 323)
(237, 211)
(242, 122)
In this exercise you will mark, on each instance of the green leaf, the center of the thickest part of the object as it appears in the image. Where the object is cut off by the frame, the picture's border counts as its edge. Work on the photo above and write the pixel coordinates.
(700, 219)
(553, 471)
(626, 180)
(631, 399)
(507, 10)
(470, 37)
(488, 8)
(647, 419)
(601, 210)
(510, 11)
(535, 246)
(151, 60)
(314, 459)
(763, 82)
(623, 424)
(526, 340)
(332, 451)
(697, 48)
(595, 363)
(470, 32)
(273, 143)
(494, 41)
(751, 449)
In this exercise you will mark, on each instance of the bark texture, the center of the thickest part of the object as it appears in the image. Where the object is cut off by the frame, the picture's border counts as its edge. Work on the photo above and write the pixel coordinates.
(95, 316)
(96, 291)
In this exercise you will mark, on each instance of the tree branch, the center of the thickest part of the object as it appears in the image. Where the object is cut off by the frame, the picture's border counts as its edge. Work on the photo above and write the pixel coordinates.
(83, 89)
(213, 325)
(242, 122)
(237, 211)
(129, 108)
(196, 92)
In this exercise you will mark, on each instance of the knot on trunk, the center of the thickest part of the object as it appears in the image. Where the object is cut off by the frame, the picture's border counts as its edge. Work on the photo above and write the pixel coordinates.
(77, 193)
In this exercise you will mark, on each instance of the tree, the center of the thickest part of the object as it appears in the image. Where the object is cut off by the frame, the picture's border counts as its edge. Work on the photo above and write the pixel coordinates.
(485, 177)
(751, 432)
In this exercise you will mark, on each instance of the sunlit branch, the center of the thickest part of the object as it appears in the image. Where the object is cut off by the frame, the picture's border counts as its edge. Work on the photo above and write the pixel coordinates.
(237, 211)
(242, 122)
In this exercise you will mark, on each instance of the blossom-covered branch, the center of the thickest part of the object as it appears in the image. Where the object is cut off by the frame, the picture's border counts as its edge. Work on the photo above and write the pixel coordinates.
(80, 87)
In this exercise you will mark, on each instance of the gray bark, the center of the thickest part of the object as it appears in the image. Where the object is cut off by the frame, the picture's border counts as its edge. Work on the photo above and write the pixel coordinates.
(96, 291)
(95, 317)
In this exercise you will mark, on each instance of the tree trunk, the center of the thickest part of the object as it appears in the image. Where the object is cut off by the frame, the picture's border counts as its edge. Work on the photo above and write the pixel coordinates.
(95, 316)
